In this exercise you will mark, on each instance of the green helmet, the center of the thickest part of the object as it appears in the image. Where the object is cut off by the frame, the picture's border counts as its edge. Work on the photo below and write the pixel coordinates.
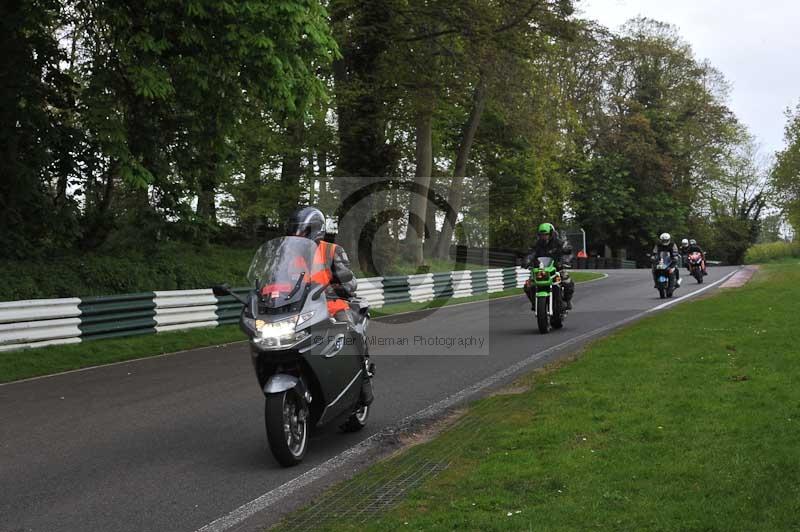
(545, 228)
(545, 231)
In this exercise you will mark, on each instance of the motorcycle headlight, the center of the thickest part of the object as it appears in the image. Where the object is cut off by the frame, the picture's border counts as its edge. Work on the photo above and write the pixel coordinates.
(281, 334)
(276, 329)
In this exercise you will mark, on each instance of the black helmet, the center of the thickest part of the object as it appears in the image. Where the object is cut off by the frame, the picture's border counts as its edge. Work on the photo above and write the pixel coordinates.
(308, 222)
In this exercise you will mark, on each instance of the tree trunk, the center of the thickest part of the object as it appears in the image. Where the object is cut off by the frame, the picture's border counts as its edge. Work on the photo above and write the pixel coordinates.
(417, 214)
(364, 156)
(291, 167)
(323, 200)
(430, 227)
(206, 201)
(456, 193)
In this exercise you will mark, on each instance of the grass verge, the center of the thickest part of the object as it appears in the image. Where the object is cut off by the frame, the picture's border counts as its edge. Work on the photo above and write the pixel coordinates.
(26, 363)
(770, 252)
(16, 365)
(688, 420)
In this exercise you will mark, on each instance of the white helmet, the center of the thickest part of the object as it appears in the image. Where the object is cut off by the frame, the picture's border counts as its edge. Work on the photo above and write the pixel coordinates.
(684, 242)
(693, 242)
(665, 238)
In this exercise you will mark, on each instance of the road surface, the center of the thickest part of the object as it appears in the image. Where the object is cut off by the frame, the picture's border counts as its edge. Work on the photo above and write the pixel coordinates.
(173, 443)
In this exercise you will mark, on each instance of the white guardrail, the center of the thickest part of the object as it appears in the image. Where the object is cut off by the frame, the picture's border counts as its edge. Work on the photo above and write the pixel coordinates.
(41, 322)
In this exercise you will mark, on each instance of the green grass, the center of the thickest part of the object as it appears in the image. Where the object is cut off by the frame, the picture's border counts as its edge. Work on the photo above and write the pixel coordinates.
(687, 420)
(23, 364)
(28, 363)
(763, 253)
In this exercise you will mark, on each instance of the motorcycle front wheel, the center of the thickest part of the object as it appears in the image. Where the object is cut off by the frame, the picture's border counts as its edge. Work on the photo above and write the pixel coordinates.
(542, 319)
(286, 420)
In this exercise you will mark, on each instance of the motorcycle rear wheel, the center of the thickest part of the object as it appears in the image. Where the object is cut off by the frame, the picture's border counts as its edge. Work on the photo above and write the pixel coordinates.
(662, 292)
(357, 420)
(286, 420)
(542, 319)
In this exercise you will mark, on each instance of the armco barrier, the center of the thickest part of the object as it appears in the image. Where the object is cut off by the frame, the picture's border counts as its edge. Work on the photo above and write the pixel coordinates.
(41, 322)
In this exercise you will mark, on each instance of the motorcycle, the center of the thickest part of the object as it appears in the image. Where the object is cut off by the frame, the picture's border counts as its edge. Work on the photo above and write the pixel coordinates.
(310, 367)
(549, 306)
(696, 266)
(666, 277)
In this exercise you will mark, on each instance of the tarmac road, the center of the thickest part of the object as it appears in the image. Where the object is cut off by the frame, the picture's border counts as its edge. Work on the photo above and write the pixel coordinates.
(173, 443)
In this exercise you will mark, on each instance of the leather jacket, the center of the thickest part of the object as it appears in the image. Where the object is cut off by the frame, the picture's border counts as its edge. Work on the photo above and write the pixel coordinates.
(340, 267)
(560, 251)
(671, 248)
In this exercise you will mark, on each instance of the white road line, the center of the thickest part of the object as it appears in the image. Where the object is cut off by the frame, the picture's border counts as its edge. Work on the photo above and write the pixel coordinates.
(118, 363)
(602, 276)
(712, 285)
(266, 500)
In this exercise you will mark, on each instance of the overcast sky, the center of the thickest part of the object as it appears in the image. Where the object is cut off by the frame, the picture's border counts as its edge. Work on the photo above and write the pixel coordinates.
(756, 45)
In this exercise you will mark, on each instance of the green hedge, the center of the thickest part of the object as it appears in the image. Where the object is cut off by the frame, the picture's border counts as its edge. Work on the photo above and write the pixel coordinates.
(171, 268)
(773, 251)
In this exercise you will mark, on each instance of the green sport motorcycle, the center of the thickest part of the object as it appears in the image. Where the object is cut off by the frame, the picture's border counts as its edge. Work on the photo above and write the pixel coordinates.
(545, 285)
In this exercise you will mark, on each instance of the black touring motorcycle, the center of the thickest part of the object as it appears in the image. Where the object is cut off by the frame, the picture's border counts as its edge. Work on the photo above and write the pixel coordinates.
(314, 370)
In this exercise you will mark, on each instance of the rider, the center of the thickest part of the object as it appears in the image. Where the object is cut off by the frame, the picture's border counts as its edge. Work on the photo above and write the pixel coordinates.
(684, 251)
(332, 268)
(548, 244)
(665, 243)
(332, 263)
(695, 247)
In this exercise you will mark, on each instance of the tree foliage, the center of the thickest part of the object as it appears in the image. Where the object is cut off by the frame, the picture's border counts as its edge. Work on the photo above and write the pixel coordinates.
(135, 124)
(786, 172)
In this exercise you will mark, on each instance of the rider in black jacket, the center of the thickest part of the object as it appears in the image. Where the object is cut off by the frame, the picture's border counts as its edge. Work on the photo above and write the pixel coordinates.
(695, 247)
(548, 244)
(665, 243)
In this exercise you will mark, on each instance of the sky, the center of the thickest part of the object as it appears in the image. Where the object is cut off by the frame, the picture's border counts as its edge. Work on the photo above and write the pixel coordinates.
(755, 44)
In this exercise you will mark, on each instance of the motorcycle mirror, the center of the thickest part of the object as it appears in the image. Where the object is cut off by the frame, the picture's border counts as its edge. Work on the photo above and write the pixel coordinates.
(318, 292)
(221, 290)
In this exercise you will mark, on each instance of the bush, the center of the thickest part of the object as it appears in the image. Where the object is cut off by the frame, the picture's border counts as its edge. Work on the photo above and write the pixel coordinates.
(173, 267)
(760, 253)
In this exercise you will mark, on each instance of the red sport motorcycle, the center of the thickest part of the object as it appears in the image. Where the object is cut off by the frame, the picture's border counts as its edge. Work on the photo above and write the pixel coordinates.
(697, 266)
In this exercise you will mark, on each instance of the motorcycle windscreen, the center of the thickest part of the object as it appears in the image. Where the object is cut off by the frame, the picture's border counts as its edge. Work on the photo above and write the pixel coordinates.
(664, 259)
(282, 268)
(544, 262)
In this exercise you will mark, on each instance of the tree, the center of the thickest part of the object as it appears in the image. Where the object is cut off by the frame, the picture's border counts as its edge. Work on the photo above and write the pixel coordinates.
(660, 139)
(785, 173)
(36, 133)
